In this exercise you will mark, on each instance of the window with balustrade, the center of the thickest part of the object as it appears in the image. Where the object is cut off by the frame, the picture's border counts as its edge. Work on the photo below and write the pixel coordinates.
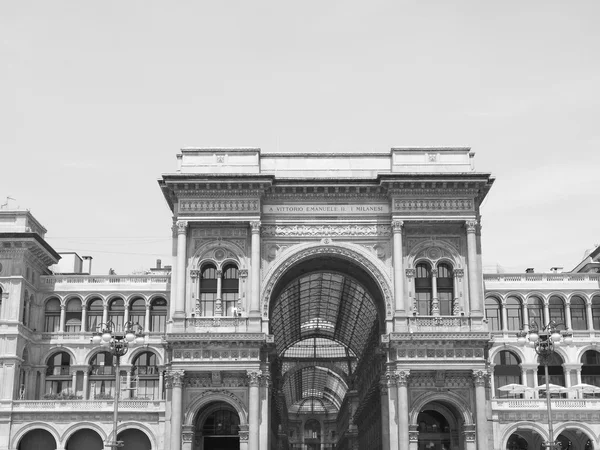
(73, 316)
(95, 312)
(158, 315)
(137, 312)
(513, 313)
(492, 313)
(445, 288)
(145, 373)
(230, 289)
(596, 312)
(116, 312)
(578, 313)
(102, 376)
(507, 370)
(556, 306)
(535, 310)
(208, 289)
(52, 315)
(590, 370)
(58, 374)
(423, 288)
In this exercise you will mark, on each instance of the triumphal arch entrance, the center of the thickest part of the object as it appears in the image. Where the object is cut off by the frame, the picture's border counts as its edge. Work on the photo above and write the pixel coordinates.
(326, 301)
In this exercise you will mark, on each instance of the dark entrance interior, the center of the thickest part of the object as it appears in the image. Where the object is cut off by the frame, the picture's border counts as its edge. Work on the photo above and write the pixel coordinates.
(221, 443)
(217, 428)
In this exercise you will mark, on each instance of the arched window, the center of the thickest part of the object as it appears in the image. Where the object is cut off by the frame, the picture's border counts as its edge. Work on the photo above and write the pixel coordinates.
(52, 316)
(555, 371)
(221, 422)
(231, 289)
(590, 369)
(578, 313)
(506, 371)
(145, 374)
(423, 288)
(513, 313)
(116, 313)
(596, 312)
(73, 316)
(58, 374)
(492, 313)
(137, 312)
(102, 376)
(445, 288)
(535, 310)
(158, 315)
(208, 290)
(94, 314)
(557, 309)
(312, 429)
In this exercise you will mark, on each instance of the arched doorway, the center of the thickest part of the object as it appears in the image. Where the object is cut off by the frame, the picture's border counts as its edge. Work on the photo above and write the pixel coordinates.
(134, 439)
(569, 439)
(217, 428)
(327, 313)
(435, 431)
(37, 440)
(85, 439)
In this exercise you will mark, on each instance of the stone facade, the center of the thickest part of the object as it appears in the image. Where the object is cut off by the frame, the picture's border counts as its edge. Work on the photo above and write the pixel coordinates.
(315, 301)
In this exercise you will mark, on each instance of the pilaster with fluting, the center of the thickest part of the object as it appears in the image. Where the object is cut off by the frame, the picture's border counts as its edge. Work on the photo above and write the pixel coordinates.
(181, 268)
(255, 268)
(398, 266)
(393, 406)
(474, 282)
(479, 379)
(175, 381)
(402, 381)
(254, 408)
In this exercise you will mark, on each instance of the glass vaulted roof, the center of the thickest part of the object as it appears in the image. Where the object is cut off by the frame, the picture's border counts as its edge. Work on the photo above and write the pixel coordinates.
(313, 388)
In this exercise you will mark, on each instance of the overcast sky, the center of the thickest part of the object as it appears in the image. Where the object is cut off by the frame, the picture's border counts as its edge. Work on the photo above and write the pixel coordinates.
(96, 98)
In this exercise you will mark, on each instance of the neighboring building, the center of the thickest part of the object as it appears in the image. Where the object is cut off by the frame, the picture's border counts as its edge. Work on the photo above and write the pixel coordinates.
(315, 301)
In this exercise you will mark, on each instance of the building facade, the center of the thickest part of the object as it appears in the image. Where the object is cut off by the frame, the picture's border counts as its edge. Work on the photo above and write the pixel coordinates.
(315, 301)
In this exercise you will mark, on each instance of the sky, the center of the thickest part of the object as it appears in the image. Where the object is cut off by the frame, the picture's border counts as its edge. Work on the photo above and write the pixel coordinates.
(97, 98)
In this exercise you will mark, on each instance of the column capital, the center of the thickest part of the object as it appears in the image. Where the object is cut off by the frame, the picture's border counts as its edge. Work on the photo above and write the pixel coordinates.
(479, 377)
(471, 226)
(182, 226)
(254, 377)
(397, 225)
(402, 377)
(174, 378)
(255, 226)
(383, 385)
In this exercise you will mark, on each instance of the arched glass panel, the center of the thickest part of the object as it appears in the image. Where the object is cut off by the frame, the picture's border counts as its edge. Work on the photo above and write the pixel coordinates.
(58, 375)
(102, 376)
(52, 316)
(230, 289)
(423, 289)
(434, 431)
(513, 313)
(94, 314)
(590, 370)
(557, 309)
(116, 313)
(73, 316)
(578, 313)
(445, 289)
(222, 422)
(596, 312)
(535, 310)
(208, 290)
(506, 371)
(492, 313)
(312, 429)
(158, 315)
(137, 312)
(146, 373)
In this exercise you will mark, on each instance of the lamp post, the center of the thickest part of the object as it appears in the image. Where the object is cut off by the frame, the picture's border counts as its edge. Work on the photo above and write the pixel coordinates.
(117, 342)
(544, 342)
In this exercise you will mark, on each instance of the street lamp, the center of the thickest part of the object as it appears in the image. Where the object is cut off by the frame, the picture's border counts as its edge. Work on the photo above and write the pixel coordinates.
(117, 342)
(544, 342)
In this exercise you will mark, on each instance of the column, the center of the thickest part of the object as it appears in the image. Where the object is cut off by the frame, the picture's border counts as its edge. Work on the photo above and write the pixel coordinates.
(176, 381)
(546, 313)
(474, 294)
(173, 269)
(479, 377)
(126, 313)
(83, 318)
(385, 414)
(104, 312)
(525, 316)
(568, 315)
(42, 383)
(254, 408)
(147, 319)
(218, 302)
(74, 381)
(85, 384)
(410, 276)
(161, 383)
(435, 303)
(255, 271)
(398, 270)
(265, 408)
(456, 306)
(403, 435)
(504, 313)
(181, 266)
(590, 321)
(63, 315)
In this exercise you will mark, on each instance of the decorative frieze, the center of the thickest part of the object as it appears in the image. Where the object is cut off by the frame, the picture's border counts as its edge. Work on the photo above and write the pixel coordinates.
(409, 206)
(225, 232)
(220, 206)
(216, 355)
(347, 230)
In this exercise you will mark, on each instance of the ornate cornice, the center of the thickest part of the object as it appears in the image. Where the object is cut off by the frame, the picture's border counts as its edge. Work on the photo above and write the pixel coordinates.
(325, 230)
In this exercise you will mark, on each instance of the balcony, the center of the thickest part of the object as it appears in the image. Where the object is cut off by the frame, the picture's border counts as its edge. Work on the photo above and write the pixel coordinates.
(557, 404)
(75, 283)
(504, 281)
(88, 405)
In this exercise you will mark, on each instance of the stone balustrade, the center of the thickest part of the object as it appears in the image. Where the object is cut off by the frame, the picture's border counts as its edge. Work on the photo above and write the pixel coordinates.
(87, 405)
(540, 404)
(104, 282)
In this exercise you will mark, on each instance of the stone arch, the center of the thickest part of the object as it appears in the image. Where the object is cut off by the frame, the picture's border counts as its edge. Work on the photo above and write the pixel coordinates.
(448, 253)
(123, 426)
(200, 254)
(60, 349)
(518, 351)
(529, 426)
(82, 426)
(211, 396)
(582, 350)
(30, 427)
(442, 397)
(350, 252)
(136, 351)
(94, 296)
(572, 426)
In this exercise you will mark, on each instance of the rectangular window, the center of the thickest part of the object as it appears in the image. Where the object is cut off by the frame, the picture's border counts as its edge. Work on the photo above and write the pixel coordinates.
(493, 317)
(52, 324)
(229, 302)
(578, 319)
(159, 323)
(208, 300)
(445, 303)
(423, 303)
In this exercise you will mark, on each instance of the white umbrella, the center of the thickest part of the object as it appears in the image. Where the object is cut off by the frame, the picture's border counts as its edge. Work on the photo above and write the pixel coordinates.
(554, 388)
(514, 388)
(586, 388)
